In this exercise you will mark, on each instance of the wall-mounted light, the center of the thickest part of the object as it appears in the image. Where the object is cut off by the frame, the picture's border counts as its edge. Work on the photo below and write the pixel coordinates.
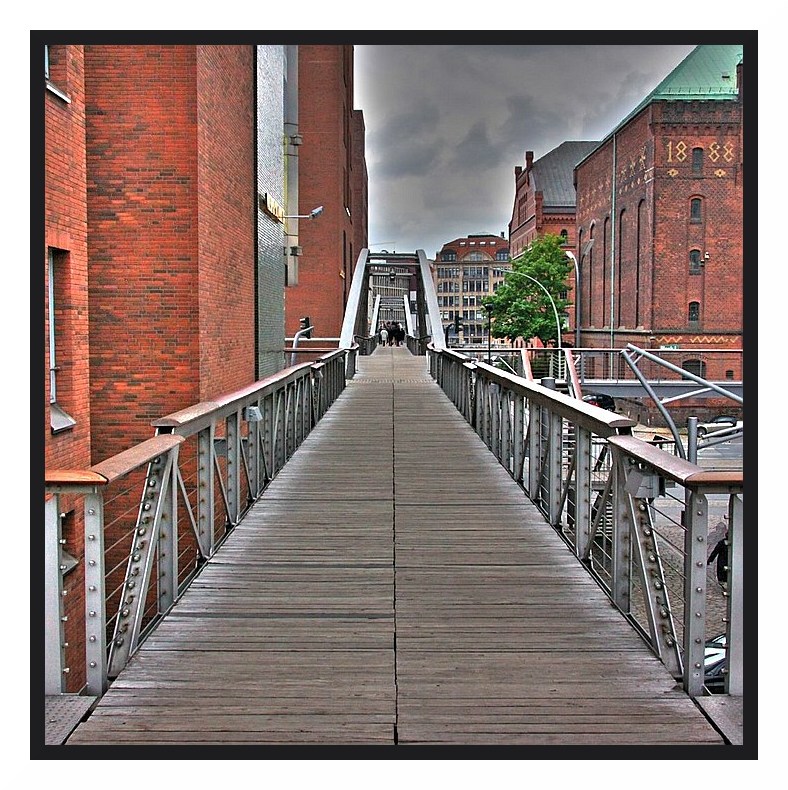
(315, 212)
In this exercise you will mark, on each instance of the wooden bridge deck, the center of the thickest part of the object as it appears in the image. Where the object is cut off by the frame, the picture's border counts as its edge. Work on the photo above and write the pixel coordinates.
(394, 585)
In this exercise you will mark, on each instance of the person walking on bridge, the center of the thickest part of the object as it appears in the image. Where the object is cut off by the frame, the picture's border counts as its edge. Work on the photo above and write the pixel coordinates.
(383, 334)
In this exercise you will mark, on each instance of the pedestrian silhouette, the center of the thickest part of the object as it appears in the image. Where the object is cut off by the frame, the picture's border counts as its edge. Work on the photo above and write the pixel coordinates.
(720, 553)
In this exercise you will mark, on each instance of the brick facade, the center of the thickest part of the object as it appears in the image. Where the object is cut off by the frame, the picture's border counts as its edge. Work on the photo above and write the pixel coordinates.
(328, 178)
(170, 152)
(654, 253)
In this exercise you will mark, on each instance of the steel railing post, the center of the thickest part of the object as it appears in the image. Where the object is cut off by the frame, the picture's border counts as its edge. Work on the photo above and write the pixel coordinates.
(555, 429)
(695, 552)
(735, 636)
(233, 467)
(518, 449)
(95, 597)
(621, 552)
(54, 636)
(167, 565)
(582, 503)
(205, 490)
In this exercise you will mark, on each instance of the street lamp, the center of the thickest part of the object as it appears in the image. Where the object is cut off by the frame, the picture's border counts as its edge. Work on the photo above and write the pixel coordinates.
(577, 297)
(552, 302)
(315, 212)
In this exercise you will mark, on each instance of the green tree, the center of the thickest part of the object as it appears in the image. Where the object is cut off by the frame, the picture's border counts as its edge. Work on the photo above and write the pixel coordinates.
(520, 307)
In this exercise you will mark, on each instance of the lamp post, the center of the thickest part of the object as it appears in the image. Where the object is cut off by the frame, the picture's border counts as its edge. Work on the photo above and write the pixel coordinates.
(577, 297)
(552, 302)
(489, 310)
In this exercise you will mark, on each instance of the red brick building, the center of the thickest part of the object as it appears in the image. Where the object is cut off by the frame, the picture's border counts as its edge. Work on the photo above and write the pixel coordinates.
(660, 220)
(171, 212)
(332, 175)
(544, 196)
(164, 240)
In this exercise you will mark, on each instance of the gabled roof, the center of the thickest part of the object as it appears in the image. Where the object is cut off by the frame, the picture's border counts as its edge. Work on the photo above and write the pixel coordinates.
(708, 73)
(552, 173)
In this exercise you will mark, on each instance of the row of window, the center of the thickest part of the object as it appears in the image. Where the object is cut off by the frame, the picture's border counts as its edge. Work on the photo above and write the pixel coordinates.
(451, 255)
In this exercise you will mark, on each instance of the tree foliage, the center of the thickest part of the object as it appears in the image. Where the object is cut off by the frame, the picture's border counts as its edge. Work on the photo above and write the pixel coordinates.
(520, 307)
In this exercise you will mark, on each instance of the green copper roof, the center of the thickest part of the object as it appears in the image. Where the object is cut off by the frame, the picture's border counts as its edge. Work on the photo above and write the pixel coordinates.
(708, 73)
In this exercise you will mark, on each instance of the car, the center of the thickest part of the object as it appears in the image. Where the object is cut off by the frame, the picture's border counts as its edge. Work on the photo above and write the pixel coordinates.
(601, 400)
(720, 423)
(715, 664)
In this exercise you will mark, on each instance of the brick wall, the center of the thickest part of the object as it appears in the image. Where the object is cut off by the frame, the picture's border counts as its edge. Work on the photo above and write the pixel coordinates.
(66, 234)
(226, 209)
(325, 105)
(170, 207)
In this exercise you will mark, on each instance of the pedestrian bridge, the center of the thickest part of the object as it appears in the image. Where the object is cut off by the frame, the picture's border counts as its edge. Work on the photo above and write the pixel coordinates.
(396, 548)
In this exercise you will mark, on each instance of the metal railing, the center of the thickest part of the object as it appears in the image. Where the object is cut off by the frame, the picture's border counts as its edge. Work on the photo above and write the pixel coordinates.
(156, 512)
(638, 517)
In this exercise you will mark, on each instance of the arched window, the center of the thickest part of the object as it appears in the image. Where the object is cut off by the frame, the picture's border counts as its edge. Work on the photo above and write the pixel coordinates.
(697, 160)
(474, 256)
(695, 262)
(696, 210)
(693, 314)
(564, 234)
(695, 366)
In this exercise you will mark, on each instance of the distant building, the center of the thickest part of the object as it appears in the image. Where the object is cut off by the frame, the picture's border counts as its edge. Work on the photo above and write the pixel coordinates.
(466, 270)
(544, 199)
(660, 217)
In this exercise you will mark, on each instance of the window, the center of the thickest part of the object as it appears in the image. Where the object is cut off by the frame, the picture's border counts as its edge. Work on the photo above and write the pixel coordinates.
(695, 262)
(57, 263)
(695, 366)
(729, 375)
(693, 314)
(502, 255)
(564, 235)
(475, 256)
(449, 255)
(695, 210)
(697, 160)
(55, 72)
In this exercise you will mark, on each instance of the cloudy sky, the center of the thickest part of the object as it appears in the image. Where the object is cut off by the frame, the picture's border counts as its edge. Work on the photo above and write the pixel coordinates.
(446, 125)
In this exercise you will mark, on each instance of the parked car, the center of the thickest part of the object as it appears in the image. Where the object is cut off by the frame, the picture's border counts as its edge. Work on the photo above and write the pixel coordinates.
(718, 424)
(715, 664)
(601, 400)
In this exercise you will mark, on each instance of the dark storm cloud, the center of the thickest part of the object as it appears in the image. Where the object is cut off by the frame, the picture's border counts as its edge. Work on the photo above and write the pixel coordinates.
(447, 124)
(476, 151)
(407, 144)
